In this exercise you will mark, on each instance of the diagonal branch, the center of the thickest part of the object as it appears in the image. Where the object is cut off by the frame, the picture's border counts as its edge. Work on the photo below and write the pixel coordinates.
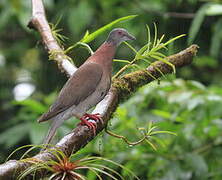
(40, 23)
(122, 88)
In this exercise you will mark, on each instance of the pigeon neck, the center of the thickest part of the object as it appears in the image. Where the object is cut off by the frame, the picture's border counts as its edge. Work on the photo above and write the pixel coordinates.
(104, 55)
(112, 41)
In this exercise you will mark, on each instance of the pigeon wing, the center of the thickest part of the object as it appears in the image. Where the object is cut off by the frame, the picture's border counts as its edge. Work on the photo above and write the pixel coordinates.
(79, 86)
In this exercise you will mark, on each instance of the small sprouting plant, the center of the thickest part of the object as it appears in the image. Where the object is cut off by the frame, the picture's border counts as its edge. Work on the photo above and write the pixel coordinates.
(56, 32)
(61, 167)
(148, 135)
(148, 53)
(150, 132)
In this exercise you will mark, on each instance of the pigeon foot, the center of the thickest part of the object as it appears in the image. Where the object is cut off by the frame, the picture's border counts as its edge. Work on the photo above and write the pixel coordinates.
(90, 121)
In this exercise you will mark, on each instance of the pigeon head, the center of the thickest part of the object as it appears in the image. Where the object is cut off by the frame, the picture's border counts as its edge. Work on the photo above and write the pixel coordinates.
(118, 35)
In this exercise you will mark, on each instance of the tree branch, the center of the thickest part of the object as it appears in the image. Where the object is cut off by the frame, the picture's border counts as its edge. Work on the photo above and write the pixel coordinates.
(122, 88)
(40, 23)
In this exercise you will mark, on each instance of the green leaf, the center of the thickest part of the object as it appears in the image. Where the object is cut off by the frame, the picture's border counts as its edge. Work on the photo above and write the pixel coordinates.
(101, 30)
(23, 12)
(141, 51)
(161, 113)
(121, 60)
(161, 39)
(86, 46)
(15, 134)
(149, 130)
(151, 75)
(197, 164)
(159, 54)
(158, 141)
(196, 23)
(206, 61)
(214, 10)
(86, 34)
(79, 16)
(151, 144)
(194, 102)
(155, 35)
(216, 39)
(148, 36)
(165, 61)
(162, 132)
(37, 132)
(196, 85)
(173, 39)
(5, 14)
(180, 97)
(33, 105)
(131, 47)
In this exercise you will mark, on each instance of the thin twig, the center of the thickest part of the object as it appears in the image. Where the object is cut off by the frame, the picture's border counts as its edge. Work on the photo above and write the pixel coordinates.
(124, 138)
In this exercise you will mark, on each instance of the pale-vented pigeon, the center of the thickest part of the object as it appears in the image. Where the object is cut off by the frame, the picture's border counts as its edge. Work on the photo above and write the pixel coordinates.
(86, 87)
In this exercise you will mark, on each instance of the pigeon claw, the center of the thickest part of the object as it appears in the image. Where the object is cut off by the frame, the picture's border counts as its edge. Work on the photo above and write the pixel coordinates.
(90, 121)
(95, 117)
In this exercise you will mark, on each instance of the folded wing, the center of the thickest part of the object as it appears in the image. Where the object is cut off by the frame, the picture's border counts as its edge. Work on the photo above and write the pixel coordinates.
(79, 86)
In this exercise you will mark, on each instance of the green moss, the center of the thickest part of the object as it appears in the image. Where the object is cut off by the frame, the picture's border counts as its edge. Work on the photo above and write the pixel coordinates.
(58, 55)
(129, 83)
(122, 87)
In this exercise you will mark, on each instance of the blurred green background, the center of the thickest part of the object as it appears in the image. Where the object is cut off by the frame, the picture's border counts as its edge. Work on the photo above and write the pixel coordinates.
(189, 104)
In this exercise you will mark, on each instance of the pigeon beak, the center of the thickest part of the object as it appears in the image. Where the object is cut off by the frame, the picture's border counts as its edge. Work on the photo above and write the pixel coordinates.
(130, 37)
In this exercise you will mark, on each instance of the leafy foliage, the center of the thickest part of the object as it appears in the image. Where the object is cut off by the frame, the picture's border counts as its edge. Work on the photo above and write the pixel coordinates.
(187, 108)
(208, 9)
(150, 51)
(148, 135)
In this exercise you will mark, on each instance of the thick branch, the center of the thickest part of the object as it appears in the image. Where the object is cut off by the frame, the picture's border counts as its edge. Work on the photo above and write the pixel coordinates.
(121, 89)
(40, 23)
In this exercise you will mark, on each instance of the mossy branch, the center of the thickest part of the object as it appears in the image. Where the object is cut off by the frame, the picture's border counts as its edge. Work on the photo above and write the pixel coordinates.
(131, 82)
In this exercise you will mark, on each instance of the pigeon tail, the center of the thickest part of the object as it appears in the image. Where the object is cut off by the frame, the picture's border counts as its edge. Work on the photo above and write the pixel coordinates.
(56, 122)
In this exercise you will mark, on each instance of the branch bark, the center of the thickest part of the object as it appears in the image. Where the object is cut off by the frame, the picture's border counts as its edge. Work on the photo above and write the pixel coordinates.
(40, 23)
(122, 88)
